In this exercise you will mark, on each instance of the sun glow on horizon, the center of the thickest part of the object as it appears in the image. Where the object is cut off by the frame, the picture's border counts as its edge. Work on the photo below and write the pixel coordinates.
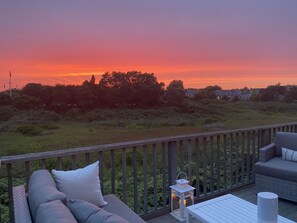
(235, 44)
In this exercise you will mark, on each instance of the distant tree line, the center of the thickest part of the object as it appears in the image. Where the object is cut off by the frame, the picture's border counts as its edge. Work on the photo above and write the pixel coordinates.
(113, 90)
(132, 89)
(276, 93)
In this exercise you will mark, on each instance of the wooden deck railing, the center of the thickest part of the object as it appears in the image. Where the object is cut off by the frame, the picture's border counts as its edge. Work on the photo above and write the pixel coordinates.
(140, 172)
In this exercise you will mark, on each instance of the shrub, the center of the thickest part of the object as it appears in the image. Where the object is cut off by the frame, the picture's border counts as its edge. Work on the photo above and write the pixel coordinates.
(30, 130)
(72, 114)
(5, 113)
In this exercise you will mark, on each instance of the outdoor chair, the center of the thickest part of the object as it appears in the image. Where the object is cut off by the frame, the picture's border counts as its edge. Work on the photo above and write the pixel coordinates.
(276, 170)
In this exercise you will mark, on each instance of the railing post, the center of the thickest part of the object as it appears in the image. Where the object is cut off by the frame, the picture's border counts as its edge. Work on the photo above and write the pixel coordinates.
(172, 165)
(265, 135)
(0, 201)
(10, 192)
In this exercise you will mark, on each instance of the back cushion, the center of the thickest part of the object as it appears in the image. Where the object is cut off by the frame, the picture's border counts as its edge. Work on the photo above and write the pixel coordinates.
(42, 178)
(42, 189)
(287, 140)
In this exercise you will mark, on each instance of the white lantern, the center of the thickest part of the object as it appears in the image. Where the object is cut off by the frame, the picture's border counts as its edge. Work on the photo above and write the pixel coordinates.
(182, 195)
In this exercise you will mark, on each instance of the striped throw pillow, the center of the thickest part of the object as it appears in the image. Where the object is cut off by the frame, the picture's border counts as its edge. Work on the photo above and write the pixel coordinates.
(288, 154)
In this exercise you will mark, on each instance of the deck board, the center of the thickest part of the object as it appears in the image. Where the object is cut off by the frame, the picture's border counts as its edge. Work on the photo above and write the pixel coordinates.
(287, 209)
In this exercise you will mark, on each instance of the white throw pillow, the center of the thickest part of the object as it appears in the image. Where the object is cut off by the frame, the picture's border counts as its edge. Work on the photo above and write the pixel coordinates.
(83, 184)
(288, 154)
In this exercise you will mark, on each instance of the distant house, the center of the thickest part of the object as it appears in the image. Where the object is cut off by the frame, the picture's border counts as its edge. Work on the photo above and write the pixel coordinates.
(231, 94)
(191, 92)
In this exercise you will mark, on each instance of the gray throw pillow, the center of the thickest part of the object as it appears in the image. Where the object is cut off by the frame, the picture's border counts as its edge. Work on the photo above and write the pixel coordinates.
(85, 212)
(54, 212)
(42, 189)
(81, 184)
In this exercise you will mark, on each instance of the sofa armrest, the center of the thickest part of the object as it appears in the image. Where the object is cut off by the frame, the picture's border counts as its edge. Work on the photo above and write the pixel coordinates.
(266, 152)
(21, 208)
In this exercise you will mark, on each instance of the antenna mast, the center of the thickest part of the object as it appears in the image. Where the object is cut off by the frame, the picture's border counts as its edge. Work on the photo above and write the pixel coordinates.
(10, 92)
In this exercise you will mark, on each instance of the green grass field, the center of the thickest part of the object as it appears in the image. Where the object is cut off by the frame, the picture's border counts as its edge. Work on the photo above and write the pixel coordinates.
(109, 126)
(34, 131)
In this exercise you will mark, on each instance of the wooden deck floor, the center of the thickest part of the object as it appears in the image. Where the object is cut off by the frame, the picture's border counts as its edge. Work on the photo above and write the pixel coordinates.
(286, 208)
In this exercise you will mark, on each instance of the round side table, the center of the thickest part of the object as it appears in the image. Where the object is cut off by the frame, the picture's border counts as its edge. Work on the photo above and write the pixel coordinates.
(267, 203)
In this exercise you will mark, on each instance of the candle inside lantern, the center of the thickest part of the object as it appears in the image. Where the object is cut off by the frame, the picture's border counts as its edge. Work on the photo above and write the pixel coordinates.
(185, 202)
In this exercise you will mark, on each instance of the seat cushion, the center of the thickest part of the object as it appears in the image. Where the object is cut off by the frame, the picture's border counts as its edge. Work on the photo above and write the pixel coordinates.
(116, 206)
(285, 139)
(54, 212)
(85, 212)
(278, 168)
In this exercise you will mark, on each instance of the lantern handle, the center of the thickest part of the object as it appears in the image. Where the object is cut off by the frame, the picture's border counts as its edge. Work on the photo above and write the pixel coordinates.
(181, 173)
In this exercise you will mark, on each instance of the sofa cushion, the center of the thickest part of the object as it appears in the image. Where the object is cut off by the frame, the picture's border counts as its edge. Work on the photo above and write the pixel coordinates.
(42, 178)
(42, 189)
(116, 206)
(285, 139)
(278, 168)
(54, 212)
(82, 184)
(288, 154)
(85, 212)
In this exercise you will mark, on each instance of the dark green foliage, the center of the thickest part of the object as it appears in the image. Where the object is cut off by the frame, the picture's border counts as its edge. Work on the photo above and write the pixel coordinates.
(64, 98)
(175, 93)
(5, 99)
(115, 90)
(225, 98)
(43, 92)
(273, 93)
(291, 94)
(5, 113)
(255, 97)
(72, 114)
(24, 102)
(207, 93)
(34, 130)
(131, 89)
(30, 130)
(236, 98)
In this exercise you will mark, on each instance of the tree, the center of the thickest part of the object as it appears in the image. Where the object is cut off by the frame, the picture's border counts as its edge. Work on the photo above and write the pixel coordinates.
(87, 95)
(175, 93)
(5, 99)
(255, 97)
(131, 89)
(273, 93)
(24, 102)
(235, 98)
(213, 88)
(225, 98)
(43, 93)
(291, 94)
(64, 98)
(204, 94)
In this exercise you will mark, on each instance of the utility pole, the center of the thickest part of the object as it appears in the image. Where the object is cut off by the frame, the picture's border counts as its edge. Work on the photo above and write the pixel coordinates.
(10, 92)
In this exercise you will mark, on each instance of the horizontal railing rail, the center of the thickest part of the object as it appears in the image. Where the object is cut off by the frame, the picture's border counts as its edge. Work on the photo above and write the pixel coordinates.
(140, 172)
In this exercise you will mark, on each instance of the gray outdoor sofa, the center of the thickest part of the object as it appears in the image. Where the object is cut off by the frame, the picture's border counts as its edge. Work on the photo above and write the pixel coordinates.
(116, 206)
(275, 174)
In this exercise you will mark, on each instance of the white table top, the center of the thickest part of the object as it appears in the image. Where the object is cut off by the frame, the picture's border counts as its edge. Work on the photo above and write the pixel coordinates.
(227, 208)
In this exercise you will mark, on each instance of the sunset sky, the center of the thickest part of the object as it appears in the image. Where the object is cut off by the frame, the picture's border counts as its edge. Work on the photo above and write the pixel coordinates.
(232, 43)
